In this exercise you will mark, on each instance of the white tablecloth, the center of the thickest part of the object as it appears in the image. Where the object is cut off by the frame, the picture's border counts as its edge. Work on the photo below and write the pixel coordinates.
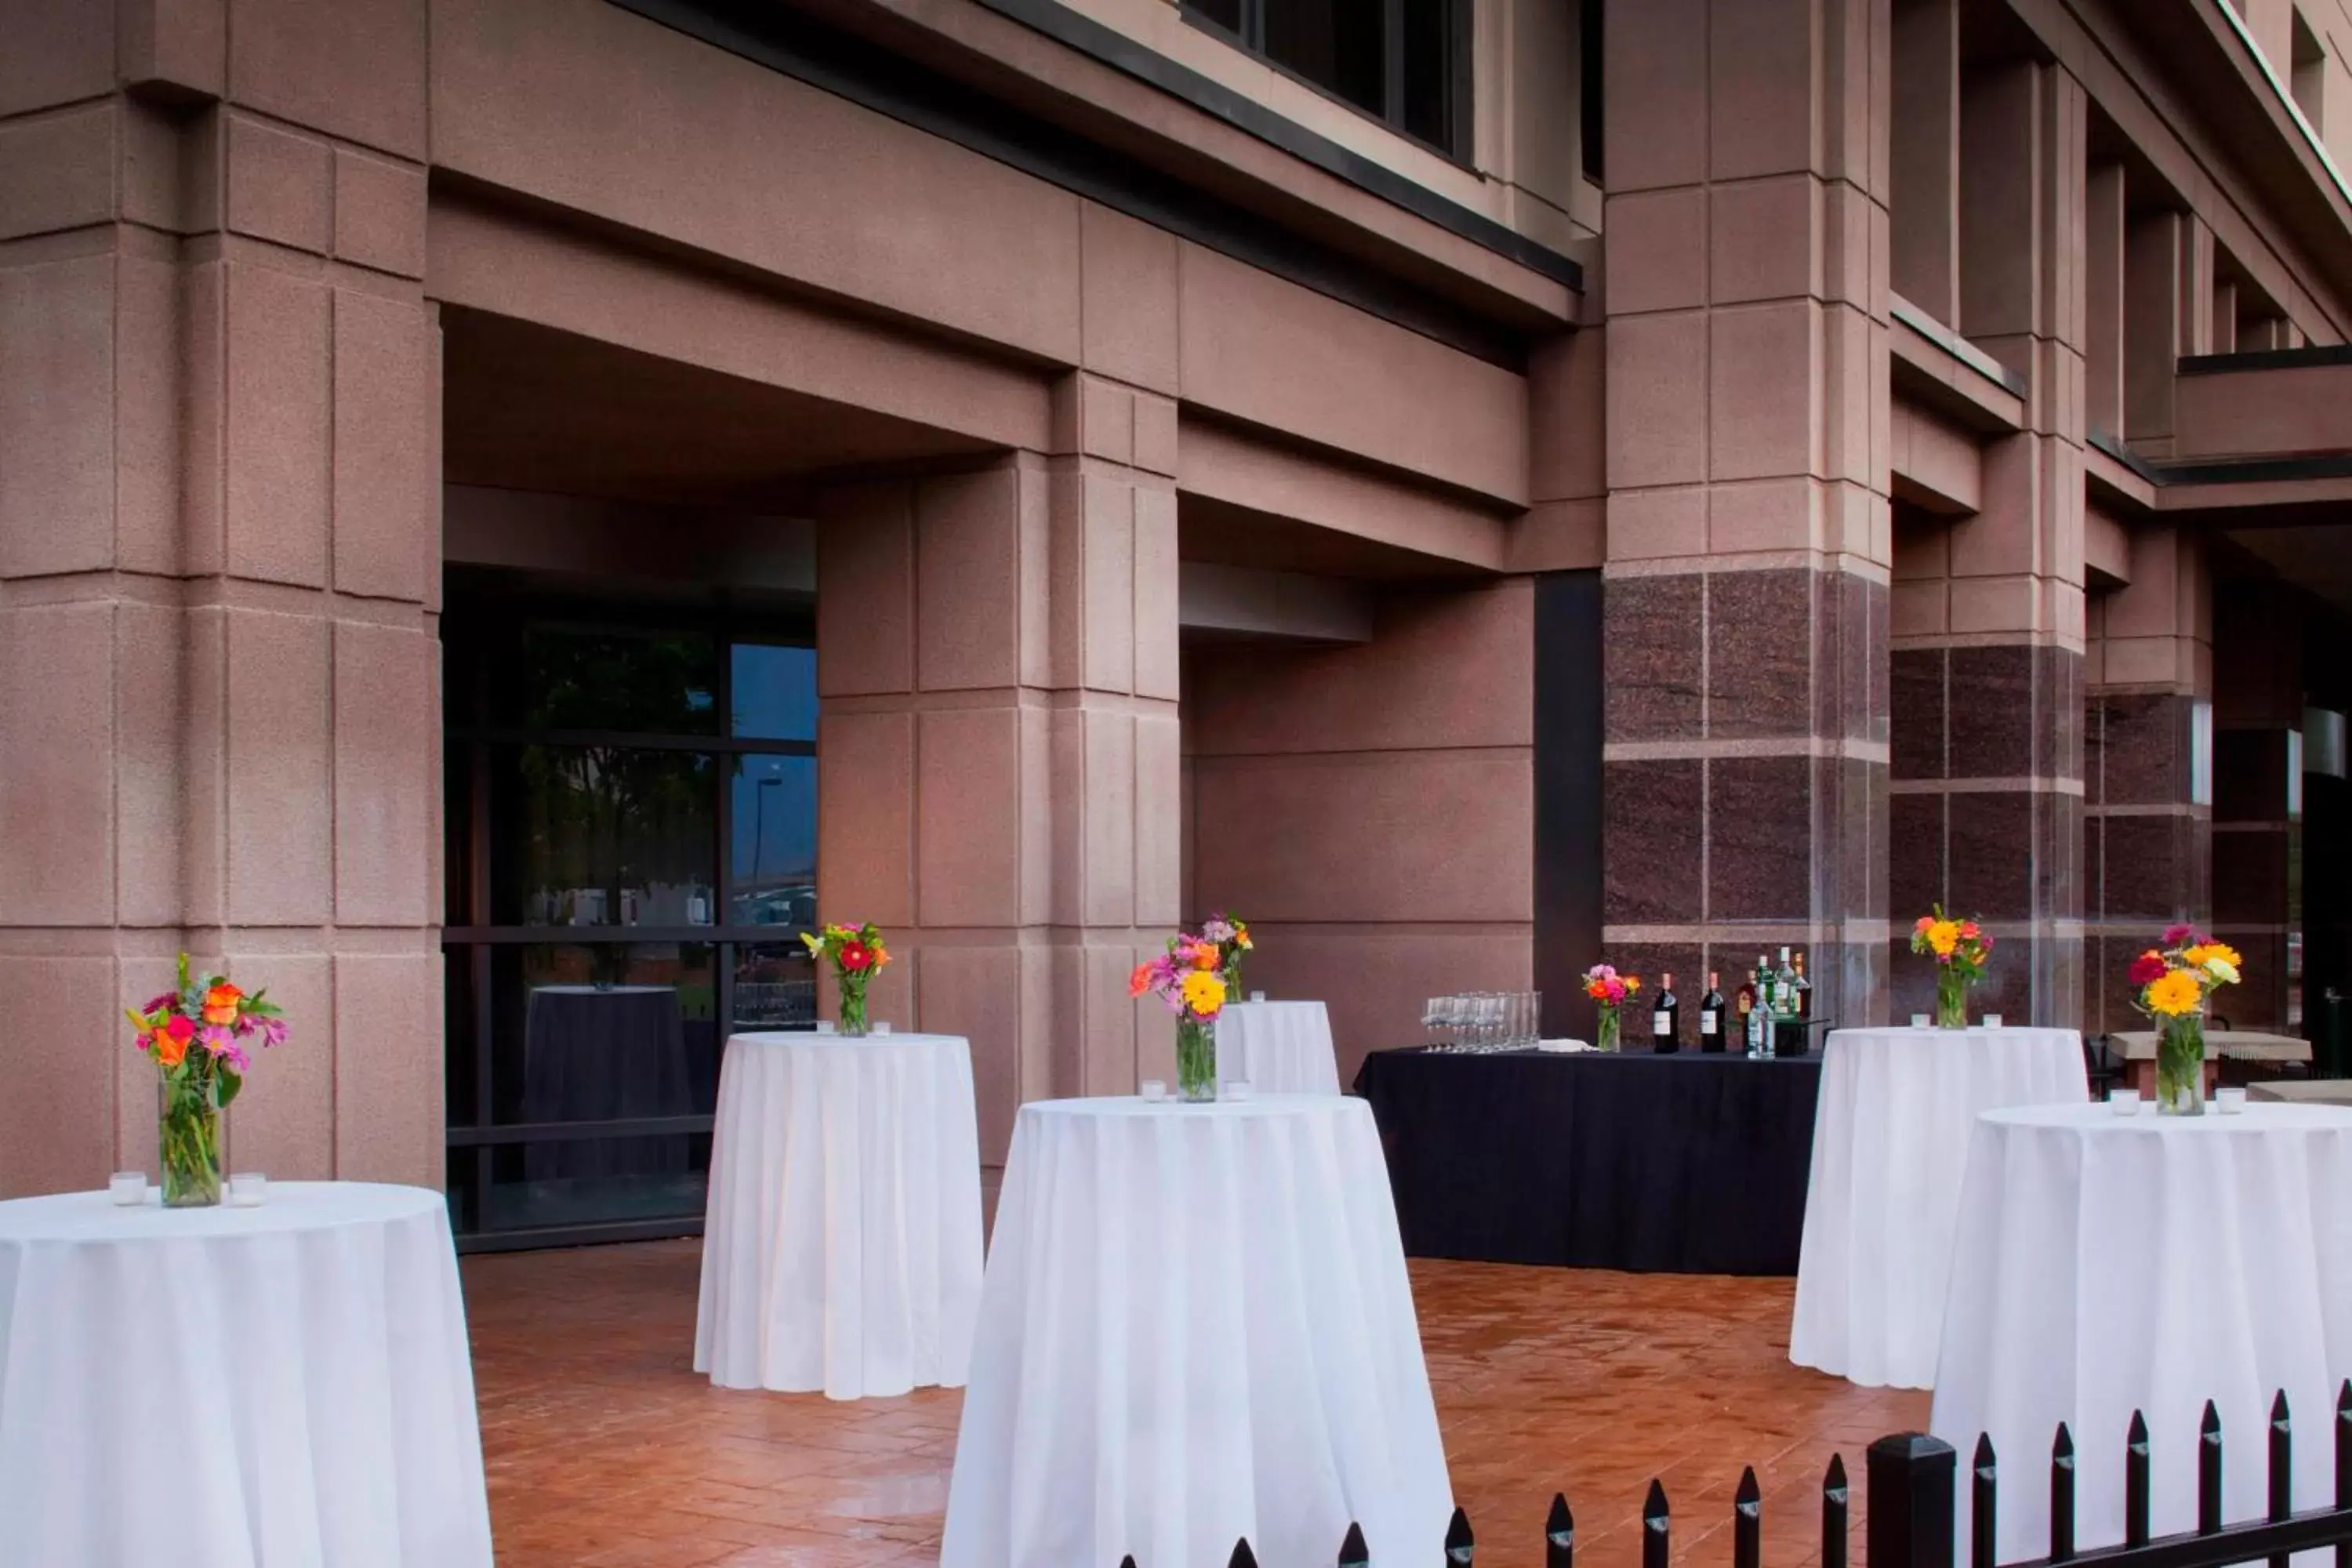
(2105, 1263)
(1277, 1048)
(237, 1387)
(1197, 1327)
(842, 1246)
(1890, 1141)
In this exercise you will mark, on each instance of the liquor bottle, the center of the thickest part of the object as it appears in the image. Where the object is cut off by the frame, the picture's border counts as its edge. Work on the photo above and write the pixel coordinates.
(1665, 1018)
(1756, 1013)
(1710, 1014)
(1774, 1003)
(1801, 1007)
(1745, 1002)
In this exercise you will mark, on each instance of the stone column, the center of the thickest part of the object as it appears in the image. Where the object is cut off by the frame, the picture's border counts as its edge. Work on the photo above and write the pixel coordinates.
(1988, 643)
(1748, 530)
(2148, 828)
(999, 763)
(2257, 702)
(219, 572)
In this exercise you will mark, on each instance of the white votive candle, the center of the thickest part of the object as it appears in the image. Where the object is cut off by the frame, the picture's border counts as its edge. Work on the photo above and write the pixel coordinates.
(247, 1189)
(2230, 1101)
(1992, 1020)
(1918, 1020)
(1152, 1091)
(825, 1025)
(1257, 995)
(2124, 1102)
(881, 1028)
(1237, 1089)
(127, 1187)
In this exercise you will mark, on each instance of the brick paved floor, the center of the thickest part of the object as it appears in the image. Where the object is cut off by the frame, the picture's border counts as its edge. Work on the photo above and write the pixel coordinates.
(604, 1450)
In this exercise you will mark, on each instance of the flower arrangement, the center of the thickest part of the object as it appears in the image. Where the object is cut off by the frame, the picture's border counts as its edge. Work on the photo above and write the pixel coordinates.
(197, 1032)
(1232, 938)
(2175, 982)
(1609, 991)
(1190, 978)
(1961, 949)
(858, 955)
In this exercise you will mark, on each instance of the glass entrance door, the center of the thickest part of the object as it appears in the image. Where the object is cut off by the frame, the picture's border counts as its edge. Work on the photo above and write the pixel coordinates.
(630, 809)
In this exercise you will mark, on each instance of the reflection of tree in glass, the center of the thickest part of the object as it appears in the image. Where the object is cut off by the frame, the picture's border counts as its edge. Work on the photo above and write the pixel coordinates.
(616, 818)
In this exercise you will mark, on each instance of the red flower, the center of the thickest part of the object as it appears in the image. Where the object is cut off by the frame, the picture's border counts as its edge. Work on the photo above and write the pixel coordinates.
(2148, 968)
(856, 957)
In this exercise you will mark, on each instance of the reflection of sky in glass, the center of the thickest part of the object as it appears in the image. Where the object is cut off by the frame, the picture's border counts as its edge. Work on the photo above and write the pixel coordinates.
(775, 823)
(775, 692)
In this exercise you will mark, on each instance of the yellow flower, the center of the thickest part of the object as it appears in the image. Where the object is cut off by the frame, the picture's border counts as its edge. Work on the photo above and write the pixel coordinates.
(2177, 993)
(2202, 956)
(1204, 993)
(1943, 936)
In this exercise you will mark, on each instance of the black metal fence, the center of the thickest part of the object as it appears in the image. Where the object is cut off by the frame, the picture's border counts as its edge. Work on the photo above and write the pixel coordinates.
(1911, 1489)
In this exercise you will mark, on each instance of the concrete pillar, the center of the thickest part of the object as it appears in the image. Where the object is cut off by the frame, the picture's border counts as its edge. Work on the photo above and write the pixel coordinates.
(2102, 301)
(1745, 790)
(1989, 615)
(999, 773)
(2257, 702)
(2167, 313)
(220, 572)
(2149, 680)
(1925, 147)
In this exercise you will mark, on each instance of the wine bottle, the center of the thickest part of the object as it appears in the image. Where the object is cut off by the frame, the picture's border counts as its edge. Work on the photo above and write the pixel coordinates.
(1801, 1007)
(1710, 1014)
(1665, 1018)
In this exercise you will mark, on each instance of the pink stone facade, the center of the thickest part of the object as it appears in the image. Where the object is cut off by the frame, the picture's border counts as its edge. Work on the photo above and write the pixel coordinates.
(1938, 398)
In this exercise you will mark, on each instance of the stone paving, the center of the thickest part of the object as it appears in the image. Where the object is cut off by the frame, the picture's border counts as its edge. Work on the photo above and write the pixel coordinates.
(604, 1450)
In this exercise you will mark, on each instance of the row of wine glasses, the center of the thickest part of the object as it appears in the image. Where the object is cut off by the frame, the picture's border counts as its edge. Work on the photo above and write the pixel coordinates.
(1484, 1021)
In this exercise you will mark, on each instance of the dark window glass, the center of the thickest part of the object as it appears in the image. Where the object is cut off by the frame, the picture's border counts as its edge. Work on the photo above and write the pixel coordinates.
(1225, 13)
(1428, 57)
(569, 677)
(773, 691)
(773, 862)
(538, 1186)
(603, 835)
(1335, 44)
(775, 987)
(602, 1032)
(459, 1057)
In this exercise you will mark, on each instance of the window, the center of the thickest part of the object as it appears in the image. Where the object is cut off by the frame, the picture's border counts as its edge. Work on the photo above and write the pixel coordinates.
(631, 804)
(1589, 78)
(1406, 62)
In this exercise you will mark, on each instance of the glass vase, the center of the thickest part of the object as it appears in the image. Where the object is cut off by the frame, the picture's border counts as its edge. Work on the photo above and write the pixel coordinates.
(1951, 1000)
(853, 1006)
(1196, 1061)
(1606, 1032)
(2181, 1067)
(1233, 992)
(188, 1135)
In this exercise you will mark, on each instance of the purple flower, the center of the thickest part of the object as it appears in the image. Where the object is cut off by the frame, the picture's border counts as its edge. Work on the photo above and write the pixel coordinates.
(273, 1032)
(169, 999)
(216, 1039)
(234, 1059)
(245, 1024)
(2180, 935)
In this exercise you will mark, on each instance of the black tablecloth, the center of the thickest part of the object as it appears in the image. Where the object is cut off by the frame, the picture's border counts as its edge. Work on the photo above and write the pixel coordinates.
(1690, 1163)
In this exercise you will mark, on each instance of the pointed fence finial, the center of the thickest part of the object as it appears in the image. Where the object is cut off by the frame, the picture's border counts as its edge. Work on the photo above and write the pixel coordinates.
(2209, 1472)
(1559, 1535)
(1460, 1545)
(1353, 1552)
(2135, 1492)
(1242, 1556)
(1835, 1496)
(2062, 1495)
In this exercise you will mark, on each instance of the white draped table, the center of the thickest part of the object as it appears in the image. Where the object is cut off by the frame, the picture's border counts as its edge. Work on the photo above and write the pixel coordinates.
(237, 1387)
(1890, 1141)
(1196, 1328)
(1277, 1048)
(841, 1250)
(2106, 1264)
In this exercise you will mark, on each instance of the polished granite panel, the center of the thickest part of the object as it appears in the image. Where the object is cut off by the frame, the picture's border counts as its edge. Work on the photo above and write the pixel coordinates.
(2146, 870)
(1651, 820)
(1760, 839)
(2249, 781)
(1915, 855)
(605, 1450)
(1760, 628)
(1992, 711)
(2249, 877)
(1651, 654)
(2143, 748)
(1915, 744)
(1990, 854)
